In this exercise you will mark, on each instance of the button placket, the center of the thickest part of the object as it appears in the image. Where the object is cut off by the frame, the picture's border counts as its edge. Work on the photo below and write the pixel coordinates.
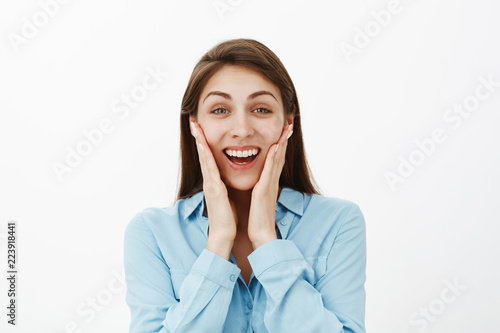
(284, 224)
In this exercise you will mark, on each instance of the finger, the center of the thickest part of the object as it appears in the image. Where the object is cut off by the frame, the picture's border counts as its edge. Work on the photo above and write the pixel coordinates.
(199, 148)
(283, 143)
(271, 168)
(280, 151)
(285, 135)
(201, 152)
(280, 147)
(211, 170)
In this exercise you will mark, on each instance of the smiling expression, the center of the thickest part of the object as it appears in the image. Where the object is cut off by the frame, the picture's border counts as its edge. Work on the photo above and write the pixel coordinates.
(240, 109)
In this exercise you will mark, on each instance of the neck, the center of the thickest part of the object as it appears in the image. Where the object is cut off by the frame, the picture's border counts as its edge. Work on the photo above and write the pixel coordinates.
(242, 201)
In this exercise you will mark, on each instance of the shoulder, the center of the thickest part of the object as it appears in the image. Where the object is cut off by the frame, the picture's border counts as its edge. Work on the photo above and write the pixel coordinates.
(333, 212)
(149, 217)
(153, 218)
(331, 205)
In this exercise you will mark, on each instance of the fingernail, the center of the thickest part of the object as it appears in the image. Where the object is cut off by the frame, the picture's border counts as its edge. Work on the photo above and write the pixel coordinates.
(276, 149)
(289, 135)
(290, 127)
(201, 147)
(195, 133)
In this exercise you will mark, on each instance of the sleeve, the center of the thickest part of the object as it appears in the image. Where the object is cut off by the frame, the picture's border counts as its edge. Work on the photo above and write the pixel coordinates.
(204, 295)
(336, 304)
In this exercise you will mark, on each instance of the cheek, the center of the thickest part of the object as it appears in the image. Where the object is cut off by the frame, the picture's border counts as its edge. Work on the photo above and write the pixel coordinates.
(212, 135)
(271, 132)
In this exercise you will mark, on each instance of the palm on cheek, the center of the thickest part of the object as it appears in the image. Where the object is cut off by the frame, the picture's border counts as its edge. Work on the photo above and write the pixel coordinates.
(222, 211)
(261, 223)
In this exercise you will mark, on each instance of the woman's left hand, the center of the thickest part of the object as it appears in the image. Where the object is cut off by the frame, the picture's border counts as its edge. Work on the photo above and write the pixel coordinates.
(261, 219)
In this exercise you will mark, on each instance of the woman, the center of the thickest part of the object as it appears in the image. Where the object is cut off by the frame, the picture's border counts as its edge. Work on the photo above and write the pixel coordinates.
(249, 245)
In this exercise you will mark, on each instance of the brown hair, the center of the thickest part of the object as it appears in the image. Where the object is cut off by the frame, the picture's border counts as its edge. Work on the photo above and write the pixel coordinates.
(256, 56)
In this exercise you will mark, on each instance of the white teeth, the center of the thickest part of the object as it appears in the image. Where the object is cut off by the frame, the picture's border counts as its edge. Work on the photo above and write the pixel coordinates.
(242, 153)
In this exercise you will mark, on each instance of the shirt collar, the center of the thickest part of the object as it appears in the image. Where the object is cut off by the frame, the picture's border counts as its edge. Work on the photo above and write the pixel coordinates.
(289, 198)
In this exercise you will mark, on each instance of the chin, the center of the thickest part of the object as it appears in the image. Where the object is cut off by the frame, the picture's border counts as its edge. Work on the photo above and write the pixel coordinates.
(241, 184)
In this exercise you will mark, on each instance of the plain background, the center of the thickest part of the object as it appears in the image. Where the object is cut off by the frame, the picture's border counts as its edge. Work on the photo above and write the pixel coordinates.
(438, 227)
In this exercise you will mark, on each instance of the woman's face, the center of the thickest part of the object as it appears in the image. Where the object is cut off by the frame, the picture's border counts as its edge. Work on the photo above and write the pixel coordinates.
(241, 110)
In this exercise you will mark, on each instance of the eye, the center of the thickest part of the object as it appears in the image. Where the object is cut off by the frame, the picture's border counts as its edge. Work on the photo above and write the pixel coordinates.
(264, 110)
(215, 111)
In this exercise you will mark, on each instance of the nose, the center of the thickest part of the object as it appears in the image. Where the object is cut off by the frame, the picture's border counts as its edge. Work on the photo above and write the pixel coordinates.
(241, 125)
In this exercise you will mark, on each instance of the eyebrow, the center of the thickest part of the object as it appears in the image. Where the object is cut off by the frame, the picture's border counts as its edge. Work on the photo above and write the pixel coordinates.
(227, 96)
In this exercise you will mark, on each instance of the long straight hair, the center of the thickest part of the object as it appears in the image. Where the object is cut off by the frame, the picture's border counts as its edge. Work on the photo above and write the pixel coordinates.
(256, 56)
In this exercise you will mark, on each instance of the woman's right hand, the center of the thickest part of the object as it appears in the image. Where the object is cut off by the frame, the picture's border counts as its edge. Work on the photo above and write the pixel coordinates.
(221, 210)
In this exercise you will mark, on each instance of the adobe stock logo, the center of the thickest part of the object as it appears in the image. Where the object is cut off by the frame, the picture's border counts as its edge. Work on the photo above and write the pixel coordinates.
(223, 6)
(94, 137)
(30, 28)
(96, 303)
(425, 315)
(426, 147)
(363, 37)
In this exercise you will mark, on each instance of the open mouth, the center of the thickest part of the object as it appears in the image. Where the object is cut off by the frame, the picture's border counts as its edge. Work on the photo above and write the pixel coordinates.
(242, 160)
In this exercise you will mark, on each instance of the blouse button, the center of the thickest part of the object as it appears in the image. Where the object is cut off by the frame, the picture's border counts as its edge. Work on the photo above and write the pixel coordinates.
(232, 277)
(283, 222)
(249, 305)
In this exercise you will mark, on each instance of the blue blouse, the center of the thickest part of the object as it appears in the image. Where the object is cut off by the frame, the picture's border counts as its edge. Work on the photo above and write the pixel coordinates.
(310, 279)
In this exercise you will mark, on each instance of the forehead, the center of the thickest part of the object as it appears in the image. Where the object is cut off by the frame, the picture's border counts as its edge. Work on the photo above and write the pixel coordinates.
(236, 80)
